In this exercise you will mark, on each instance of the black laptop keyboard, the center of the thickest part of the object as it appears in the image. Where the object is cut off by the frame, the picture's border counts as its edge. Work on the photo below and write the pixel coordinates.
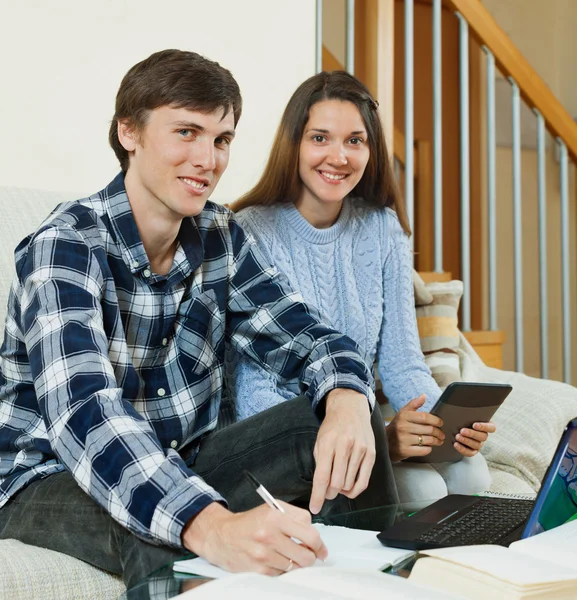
(486, 523)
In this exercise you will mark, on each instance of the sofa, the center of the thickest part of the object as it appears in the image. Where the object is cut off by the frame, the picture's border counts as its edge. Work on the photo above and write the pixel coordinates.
(29, 572)
(518, 453)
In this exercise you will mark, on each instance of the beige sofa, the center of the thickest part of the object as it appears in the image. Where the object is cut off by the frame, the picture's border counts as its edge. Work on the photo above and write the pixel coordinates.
(529, 425)
(28, 572)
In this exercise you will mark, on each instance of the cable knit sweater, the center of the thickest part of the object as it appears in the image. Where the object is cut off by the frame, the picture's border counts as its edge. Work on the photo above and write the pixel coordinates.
(358, 274)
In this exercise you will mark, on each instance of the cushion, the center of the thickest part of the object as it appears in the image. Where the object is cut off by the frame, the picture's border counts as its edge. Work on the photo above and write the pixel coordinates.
(422, 294)
(32, 572)
(529, 423)
(437, 322)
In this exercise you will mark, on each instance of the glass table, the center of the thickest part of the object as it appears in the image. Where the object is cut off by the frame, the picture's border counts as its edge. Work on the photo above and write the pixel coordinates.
(167, 583)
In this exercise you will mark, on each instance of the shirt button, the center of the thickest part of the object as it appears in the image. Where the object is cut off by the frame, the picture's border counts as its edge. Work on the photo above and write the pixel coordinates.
(146, 273)
(161, 392)
(135, 264)
(164, 341)
(173, 444)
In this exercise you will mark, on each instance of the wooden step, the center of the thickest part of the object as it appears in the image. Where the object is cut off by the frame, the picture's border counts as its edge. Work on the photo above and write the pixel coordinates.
(488, 345)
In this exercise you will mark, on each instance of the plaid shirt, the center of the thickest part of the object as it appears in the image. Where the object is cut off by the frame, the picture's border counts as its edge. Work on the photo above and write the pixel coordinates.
(107, 370)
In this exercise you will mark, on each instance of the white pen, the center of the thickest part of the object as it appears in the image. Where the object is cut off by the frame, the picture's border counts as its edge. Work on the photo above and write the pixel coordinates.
(271, 501)
(263, 492)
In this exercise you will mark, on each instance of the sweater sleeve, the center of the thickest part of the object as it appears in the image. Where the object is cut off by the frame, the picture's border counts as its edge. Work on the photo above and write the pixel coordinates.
(253, 388)
(256, 382)
(401, 364)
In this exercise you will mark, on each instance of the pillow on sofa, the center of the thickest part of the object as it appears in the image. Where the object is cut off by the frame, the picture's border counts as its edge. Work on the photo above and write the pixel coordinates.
(422, 294)
(437, 322)
(529, 422)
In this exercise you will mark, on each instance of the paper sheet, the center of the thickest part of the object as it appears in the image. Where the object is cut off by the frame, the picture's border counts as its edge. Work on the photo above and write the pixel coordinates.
(316, 584)
(506, 565)
(556, 545)
(348, 548)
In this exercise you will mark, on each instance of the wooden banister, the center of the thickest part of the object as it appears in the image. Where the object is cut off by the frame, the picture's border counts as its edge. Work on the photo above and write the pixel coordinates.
(399, 147)
(513, 64)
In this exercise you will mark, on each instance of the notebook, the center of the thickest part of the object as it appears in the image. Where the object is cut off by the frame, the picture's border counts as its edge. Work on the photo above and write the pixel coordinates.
(458, 520)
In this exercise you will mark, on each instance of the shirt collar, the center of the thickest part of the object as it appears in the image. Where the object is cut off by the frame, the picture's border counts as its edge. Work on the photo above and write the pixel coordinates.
(128, 237)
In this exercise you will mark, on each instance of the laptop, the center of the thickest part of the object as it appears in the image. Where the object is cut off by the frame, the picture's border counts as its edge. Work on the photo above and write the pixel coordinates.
(458, 520)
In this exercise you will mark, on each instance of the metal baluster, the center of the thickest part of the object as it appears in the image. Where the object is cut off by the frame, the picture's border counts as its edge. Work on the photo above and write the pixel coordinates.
(491, 189)
(319, 37)
(517, 224)
(542, 199)
(464, 167)
(565, 276)
(409, 112)
(350, 58)
(437, 137)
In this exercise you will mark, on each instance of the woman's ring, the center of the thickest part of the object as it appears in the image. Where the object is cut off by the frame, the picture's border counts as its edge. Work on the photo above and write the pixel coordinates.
(290, 565)
(420, 440)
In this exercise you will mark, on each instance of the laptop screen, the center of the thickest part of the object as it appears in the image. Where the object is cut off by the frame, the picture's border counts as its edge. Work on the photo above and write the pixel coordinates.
(557, 500)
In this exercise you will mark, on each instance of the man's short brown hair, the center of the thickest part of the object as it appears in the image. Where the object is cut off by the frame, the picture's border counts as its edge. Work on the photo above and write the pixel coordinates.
(172, 78)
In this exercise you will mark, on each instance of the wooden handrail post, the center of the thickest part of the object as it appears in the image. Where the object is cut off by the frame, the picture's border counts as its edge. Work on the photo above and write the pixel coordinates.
(424, 205)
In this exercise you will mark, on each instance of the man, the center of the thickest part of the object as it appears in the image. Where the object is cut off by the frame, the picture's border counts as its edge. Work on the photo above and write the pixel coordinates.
(111, 368)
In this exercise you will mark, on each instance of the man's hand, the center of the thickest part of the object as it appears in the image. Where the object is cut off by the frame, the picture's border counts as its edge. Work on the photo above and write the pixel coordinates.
(345, 448)
(260, 540)
(413, 433)
(470, 441)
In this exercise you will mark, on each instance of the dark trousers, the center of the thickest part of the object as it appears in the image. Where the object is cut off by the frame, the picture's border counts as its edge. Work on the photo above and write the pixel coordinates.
(275, 445)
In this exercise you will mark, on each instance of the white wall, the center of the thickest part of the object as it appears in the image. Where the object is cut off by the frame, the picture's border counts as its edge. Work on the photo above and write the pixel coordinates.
(61, 62)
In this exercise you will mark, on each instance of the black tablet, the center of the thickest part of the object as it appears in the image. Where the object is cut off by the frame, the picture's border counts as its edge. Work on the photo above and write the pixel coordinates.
(462, 404)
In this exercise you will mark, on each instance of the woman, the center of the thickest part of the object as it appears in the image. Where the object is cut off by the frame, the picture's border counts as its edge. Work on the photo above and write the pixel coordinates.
(327, 213)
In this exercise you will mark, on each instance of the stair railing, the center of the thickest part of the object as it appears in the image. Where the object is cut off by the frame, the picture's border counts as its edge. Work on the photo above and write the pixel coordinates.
(551, 116)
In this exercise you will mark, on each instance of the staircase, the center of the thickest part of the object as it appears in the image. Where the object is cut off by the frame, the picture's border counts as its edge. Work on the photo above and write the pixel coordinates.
(502, 219)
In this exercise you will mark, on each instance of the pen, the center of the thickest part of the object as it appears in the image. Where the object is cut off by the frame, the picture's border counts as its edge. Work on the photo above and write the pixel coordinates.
(263, 492)
(270, 500)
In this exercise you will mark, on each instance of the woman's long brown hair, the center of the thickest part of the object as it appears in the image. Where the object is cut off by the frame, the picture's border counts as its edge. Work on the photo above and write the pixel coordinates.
(280, 181)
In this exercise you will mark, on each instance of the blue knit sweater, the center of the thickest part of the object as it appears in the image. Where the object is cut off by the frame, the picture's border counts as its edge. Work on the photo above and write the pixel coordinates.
(358, 274)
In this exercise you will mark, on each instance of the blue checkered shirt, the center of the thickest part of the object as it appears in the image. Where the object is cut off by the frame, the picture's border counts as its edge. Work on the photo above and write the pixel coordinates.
(108, 370)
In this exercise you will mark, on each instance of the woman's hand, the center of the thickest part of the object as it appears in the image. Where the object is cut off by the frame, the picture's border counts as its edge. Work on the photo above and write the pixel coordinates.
(413, 433)
(470, 441)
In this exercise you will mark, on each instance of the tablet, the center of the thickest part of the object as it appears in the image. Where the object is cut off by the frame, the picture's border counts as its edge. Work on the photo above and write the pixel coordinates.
(462, 404)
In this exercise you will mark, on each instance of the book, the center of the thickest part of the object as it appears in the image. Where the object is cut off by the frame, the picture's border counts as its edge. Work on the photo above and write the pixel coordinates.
(315, 584)
(350, 548)
(543, 566)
